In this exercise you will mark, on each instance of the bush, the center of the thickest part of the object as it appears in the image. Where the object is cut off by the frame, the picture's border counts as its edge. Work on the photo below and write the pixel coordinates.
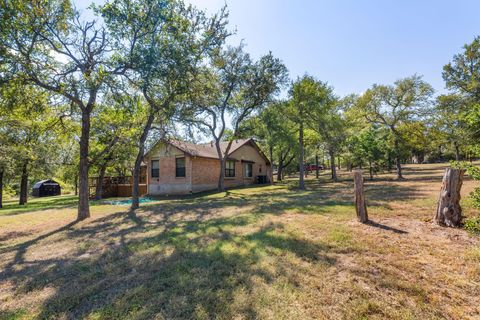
(475, 195)
(472, 225)
(8, 192)
(474, 172)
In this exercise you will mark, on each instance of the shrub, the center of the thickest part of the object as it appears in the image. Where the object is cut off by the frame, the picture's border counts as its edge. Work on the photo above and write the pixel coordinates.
(8, 192)
(474, 172)
(472, 225)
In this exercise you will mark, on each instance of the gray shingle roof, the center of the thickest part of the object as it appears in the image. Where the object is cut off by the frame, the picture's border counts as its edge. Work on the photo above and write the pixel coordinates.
(207, 150)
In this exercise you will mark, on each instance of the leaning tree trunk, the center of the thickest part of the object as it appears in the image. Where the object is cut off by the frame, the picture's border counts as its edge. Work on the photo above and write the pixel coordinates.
(83, 190)
(301, 158)
(138, 162)
(1, 189)
(24, 184)
(449, 212)
(360, 205)
(136, 178)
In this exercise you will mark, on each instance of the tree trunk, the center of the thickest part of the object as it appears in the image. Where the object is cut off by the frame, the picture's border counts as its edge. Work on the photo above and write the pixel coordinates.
(317, 173)
(333, 168)
(389, 163)
(339, 162)
(301, 158)
(223, 160)
(279, 174)
(449, 212)
(1, 189)
(360, 205)
(398, 160)
(221, 179)
(271, 163)
(76, 184)
(99, 187)
(24, 185)
(280, 169)
(370, 169)
(399, 168)
(83, 190)
(138, 162)
(457, 151)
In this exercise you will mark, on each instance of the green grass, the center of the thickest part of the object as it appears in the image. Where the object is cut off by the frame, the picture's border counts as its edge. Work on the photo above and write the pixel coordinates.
(270, 252)
(12, 207)
(13, 315)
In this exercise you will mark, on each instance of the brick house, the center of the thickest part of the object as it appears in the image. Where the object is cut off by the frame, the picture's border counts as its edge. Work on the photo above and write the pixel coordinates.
(177, 167)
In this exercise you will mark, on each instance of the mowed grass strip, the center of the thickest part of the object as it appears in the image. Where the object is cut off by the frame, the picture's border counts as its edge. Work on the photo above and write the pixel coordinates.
(271, 252)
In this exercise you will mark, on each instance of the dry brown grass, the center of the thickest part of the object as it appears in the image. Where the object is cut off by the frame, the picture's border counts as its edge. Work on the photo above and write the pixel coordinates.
(266, 252)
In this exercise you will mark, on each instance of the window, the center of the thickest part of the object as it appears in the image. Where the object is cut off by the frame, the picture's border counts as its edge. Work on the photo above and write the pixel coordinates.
(230, 169)
(155, 169)
(180, 167)
(248, 170)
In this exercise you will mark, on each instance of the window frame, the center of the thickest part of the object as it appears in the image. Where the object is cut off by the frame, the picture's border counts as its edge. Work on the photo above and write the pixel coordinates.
(180, 169)
(228, 171)
(157, 169)
(246, 174)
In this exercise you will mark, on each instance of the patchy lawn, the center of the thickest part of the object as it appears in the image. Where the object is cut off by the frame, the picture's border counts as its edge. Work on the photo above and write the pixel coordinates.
(254, 253)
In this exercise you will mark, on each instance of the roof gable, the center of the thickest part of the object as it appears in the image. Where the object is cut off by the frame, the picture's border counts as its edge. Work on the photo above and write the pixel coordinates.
(209, 150)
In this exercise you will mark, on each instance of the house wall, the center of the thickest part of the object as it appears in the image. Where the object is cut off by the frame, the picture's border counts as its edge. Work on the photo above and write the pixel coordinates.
(201, 173)
(206, 171)
(167, 182)
(250, 153)
(205, 174)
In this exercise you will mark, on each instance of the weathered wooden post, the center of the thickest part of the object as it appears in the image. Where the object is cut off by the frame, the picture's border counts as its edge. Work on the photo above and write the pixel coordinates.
(449, 212)
(360, 205)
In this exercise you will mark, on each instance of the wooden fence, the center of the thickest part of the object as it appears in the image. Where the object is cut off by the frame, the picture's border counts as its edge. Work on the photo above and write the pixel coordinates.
(117, 186)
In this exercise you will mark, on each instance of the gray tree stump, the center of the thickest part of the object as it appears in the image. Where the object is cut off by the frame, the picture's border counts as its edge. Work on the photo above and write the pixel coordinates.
(360, 205)
(449, 212)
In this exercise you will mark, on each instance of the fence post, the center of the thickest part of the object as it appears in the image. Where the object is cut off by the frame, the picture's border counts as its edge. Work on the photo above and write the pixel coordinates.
(360, 205)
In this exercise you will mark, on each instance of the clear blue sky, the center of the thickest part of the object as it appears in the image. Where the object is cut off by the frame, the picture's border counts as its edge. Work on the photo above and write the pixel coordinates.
(354, 43)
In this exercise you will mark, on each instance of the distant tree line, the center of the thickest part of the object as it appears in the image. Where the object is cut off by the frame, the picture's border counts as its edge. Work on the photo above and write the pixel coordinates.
(379, 130)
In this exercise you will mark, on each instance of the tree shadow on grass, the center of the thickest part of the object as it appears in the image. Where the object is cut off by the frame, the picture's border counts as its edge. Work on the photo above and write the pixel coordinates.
(182, 258)
(326, 197)
(392, 192)
(184, 270)
(385, 227)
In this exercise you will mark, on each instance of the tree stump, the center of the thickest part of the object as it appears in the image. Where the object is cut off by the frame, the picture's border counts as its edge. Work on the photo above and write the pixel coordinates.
(360, 205)
(449, 212)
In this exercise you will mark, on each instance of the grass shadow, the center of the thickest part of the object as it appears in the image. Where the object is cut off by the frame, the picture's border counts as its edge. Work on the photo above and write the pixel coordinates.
(184, 270)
